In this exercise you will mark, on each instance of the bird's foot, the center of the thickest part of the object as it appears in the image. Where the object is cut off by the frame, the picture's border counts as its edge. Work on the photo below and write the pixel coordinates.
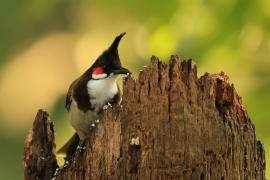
(107, 105)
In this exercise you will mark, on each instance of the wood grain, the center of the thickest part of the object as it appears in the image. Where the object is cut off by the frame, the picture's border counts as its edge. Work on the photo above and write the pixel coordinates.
(188, 128)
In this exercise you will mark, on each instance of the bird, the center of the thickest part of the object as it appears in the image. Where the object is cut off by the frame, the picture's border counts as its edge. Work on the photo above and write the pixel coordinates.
(95, 89)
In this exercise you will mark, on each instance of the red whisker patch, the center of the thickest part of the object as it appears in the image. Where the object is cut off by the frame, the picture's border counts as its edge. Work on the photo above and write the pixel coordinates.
(98, 70)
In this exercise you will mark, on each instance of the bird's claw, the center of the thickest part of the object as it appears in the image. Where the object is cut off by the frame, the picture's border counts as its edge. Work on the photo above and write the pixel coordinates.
(107, 105)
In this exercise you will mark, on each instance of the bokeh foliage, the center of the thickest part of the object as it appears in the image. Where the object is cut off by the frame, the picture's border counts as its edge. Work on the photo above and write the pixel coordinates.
(44, 45)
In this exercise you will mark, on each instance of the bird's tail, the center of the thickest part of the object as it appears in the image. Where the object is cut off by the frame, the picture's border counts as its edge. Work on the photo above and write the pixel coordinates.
(70, 147)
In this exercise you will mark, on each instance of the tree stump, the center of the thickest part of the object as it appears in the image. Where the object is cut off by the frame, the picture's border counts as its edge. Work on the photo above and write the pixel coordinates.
(170, 125)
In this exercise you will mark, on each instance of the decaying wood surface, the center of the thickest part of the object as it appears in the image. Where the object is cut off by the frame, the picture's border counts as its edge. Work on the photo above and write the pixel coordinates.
(186, 127)
(39, 159)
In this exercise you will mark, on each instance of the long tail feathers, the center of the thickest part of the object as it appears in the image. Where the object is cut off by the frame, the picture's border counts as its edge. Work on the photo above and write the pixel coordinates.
(70, 147)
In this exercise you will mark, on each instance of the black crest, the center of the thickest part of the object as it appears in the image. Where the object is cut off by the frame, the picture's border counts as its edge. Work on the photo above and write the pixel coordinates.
(110, 57)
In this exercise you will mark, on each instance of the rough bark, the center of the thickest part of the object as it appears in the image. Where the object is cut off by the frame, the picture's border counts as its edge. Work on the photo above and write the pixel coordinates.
(188, 128)
(39, 158)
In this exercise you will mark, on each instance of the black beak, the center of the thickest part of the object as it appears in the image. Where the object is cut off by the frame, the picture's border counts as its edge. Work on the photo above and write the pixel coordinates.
(121, 70)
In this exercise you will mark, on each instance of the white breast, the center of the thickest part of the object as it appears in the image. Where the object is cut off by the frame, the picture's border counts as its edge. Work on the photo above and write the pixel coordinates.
(101, 90)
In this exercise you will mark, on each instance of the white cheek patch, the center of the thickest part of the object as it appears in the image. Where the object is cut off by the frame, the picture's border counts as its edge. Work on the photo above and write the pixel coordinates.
(99, 76)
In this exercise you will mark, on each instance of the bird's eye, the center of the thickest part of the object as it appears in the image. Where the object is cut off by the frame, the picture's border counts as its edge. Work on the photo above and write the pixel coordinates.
(98, 70)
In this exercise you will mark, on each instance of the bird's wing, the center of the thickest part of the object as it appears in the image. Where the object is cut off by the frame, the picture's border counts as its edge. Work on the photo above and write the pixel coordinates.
(117, 98)
(69, 95)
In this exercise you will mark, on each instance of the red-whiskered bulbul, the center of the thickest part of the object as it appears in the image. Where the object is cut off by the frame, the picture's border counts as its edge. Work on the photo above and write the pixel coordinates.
(93, 90)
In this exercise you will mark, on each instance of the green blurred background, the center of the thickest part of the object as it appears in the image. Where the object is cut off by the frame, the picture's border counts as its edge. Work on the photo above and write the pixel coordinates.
(44, 45)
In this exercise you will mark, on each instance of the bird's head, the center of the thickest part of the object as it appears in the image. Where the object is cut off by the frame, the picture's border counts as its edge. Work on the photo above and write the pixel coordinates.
(108, 64)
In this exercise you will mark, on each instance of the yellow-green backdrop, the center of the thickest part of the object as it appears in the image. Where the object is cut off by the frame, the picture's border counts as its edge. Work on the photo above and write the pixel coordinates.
(44, 45)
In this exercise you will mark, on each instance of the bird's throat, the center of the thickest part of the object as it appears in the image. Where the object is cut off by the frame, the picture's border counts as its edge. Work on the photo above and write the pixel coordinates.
(101, 91)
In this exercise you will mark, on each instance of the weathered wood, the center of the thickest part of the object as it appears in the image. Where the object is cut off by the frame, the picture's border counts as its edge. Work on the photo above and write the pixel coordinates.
(188, 128)
(39, 157)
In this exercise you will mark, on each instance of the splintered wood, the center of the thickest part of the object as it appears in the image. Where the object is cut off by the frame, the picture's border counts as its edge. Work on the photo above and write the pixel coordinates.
(170, 125)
